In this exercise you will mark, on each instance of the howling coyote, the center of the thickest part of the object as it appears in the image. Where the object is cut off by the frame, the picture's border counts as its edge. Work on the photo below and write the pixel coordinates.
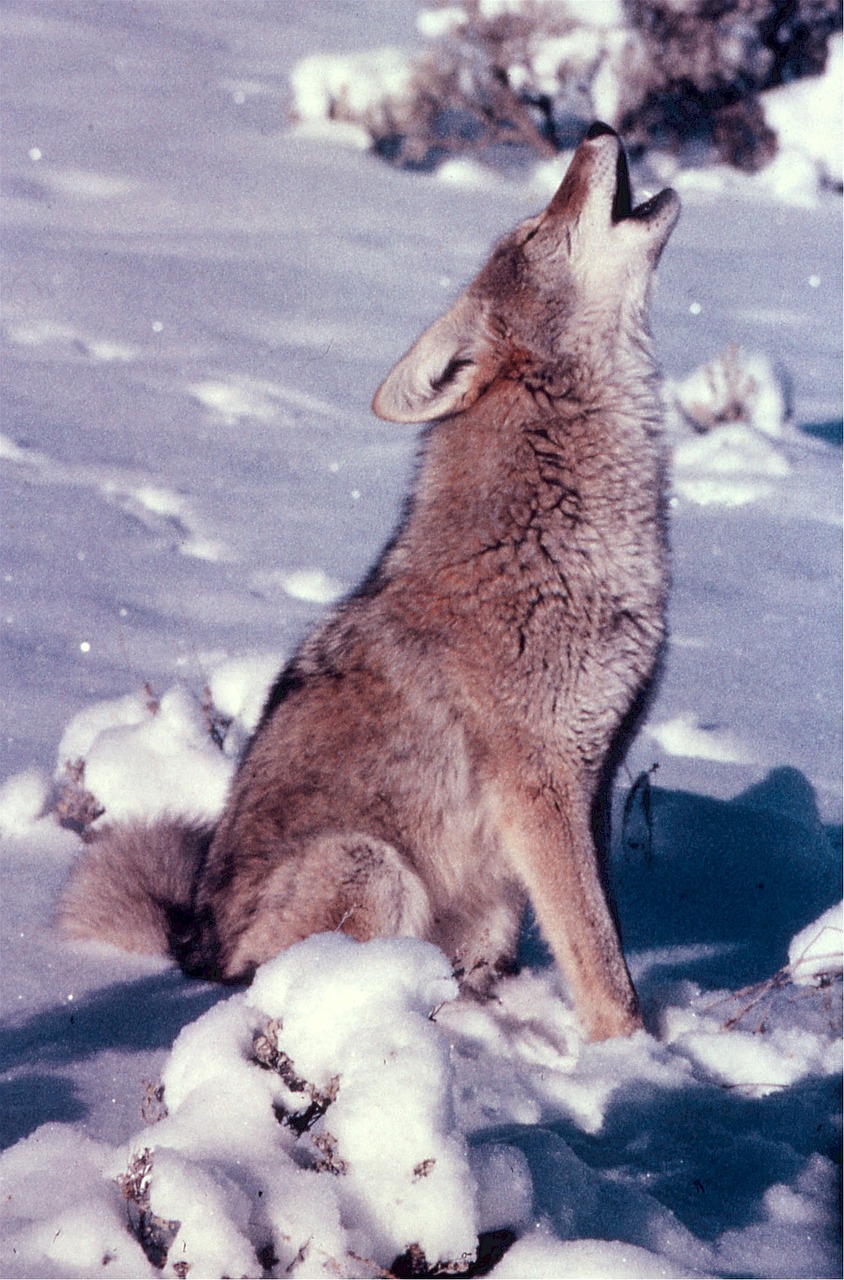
(442, 747)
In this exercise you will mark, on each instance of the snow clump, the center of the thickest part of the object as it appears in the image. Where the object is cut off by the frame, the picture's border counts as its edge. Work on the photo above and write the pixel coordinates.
(727, 419)
(138, 747)
(309, 1130)
(141, 755)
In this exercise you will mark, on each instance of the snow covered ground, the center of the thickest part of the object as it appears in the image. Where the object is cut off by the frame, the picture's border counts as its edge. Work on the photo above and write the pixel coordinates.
(198, 303)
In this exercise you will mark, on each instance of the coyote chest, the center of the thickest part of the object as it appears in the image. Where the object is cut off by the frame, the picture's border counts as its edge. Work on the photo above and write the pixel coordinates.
(551, 584)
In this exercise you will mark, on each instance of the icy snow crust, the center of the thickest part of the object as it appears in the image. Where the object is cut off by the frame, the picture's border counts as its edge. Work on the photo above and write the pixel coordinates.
(198, 305)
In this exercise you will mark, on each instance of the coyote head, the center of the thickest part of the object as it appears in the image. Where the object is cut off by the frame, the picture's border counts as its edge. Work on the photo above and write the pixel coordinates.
(567, 287)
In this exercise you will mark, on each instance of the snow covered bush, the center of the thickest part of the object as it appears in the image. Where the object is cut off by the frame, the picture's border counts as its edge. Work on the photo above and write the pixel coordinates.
(735, 387)
(680, 75)
(729, 419)
(371, 93)
(142, 755)
(710, 59)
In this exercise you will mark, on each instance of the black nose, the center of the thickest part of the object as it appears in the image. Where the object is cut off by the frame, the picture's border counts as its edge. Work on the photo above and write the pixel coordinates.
(598, 129)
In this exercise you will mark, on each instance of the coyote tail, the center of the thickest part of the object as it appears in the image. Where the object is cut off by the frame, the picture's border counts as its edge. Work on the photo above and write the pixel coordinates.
(133, 887)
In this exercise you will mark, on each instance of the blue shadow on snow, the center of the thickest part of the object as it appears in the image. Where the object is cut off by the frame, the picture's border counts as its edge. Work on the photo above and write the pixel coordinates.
(143, 1014)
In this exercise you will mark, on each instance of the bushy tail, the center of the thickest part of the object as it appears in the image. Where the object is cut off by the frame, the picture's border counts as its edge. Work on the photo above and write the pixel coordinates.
(133, 885)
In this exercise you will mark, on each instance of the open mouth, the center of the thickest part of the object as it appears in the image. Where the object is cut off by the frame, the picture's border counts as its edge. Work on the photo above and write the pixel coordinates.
(622, 205)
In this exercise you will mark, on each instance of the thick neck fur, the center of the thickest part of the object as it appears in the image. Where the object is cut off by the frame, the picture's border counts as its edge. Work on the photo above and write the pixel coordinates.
(584, 433)
(604, 361)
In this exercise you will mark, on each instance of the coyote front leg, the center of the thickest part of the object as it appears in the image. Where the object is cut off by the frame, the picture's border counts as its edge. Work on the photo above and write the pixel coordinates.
(547, 834)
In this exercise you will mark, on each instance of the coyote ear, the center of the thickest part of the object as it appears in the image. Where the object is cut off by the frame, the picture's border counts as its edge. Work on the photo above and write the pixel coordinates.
(444, 372)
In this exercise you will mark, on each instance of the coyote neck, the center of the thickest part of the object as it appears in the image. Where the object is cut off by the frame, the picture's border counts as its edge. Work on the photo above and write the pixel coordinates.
(605, 372)
(529, 455)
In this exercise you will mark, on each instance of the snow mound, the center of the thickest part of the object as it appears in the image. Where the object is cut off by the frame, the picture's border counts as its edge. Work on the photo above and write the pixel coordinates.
(62, 1212)
(140, 756)
(359, 1016)
(759, 1065)
(347, 1115)
(143, 755)
(541, 1254)
(309, 1129)
(731, 467)
(736, 387)
(729, 419)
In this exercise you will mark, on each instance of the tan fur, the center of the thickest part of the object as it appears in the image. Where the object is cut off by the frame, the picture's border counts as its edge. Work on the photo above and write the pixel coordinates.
(440, 747)
(124, 877)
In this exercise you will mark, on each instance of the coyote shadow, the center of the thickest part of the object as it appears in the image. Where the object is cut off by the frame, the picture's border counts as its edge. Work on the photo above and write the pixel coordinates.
(143, 1014)
(668, 1162)
(735, 879)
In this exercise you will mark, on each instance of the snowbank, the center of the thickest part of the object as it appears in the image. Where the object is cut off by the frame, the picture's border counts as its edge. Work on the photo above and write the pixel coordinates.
(807, 119)
(346, 1116)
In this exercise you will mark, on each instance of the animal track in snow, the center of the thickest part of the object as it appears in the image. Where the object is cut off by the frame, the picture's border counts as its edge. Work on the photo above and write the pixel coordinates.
(162, 511)
(55, 336)
(234, 398)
